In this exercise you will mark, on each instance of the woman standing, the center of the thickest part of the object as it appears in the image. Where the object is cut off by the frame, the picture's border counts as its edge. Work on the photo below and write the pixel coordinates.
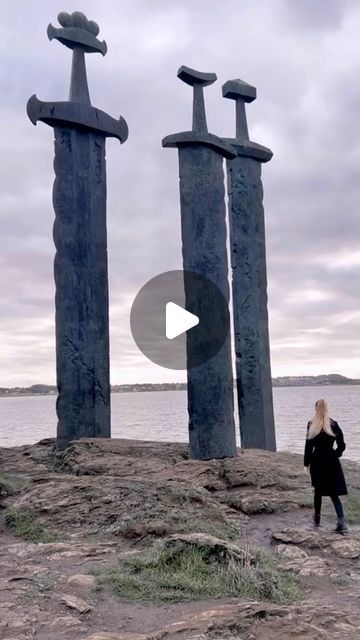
(327, 476)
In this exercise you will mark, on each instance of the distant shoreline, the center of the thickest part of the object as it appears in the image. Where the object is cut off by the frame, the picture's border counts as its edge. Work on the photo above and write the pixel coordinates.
(298, 381)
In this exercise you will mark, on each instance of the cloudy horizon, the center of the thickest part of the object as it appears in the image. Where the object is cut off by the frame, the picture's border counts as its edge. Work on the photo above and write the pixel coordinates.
(304, 60)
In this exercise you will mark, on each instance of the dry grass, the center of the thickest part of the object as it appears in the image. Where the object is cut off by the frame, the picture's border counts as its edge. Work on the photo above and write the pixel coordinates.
(160, 574)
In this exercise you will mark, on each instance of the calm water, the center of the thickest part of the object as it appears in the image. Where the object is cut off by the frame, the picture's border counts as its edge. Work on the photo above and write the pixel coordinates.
(160, 415)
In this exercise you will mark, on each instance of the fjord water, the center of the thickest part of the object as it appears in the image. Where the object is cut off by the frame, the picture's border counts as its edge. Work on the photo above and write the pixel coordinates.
(162, 415)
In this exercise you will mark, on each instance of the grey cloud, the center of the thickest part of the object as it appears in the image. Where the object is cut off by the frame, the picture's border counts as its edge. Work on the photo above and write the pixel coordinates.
(319, 15)
(303, 60)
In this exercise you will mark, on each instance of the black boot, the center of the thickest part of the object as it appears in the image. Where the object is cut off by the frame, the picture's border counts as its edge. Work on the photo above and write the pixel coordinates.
(341, 526)
(316, 519)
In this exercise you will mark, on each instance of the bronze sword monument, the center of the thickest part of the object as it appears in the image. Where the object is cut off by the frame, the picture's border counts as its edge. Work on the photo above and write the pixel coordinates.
(80, 267)
(249, 278)
(203, 229)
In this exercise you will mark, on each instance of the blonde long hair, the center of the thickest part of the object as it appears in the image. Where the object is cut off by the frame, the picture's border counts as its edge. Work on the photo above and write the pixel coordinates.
(321, 420)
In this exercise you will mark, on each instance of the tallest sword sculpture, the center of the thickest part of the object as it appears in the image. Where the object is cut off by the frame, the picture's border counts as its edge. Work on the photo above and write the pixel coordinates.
(80, 268)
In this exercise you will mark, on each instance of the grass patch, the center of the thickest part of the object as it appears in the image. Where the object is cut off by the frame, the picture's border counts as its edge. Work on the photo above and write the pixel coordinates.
(352, 508)
(351, 505)
(207, 524)
(9, 486)
(164, 575)
(22, 523)
(340, 581)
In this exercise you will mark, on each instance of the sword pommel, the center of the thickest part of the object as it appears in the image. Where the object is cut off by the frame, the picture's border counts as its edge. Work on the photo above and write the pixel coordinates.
(77, 32)
(192, 77)
(239, 90)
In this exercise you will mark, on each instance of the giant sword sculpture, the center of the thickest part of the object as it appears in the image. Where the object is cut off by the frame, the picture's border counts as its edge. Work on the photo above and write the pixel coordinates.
(80, 267)
(203, 226)
(249, 279)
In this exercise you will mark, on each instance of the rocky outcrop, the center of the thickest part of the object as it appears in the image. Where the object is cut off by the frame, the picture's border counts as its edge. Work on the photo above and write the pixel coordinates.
(251, 620)
(345, 547)
(253, 482)
(82, 507)
(28, 461)
(102, 500)
(297, 561)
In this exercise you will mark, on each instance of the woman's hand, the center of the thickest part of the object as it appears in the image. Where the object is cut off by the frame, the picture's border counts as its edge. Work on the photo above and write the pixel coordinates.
(306, 470)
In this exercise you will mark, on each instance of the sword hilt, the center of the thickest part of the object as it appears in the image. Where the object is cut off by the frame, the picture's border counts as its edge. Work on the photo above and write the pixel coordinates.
(79, 34)
(198, 80)
(199, 134)
(241, 92)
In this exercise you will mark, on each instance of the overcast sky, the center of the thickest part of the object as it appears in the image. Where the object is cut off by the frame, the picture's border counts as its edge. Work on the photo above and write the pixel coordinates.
(304, 58)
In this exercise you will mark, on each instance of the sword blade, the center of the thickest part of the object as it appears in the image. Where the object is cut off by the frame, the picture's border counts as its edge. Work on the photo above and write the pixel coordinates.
(210, 386)
(249, 286)
(81, 277)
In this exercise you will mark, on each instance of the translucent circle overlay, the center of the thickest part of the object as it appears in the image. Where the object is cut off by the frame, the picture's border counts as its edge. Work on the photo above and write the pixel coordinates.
(192, 292)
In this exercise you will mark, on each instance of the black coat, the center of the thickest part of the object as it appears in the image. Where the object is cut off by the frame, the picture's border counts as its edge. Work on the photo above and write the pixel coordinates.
(326, 471)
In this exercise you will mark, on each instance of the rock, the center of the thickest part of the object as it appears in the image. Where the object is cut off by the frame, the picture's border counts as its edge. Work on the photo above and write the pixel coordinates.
(313, 566)
(73, 602)
(129, 509)
(119, 457)
(291, 553)
(17, 621)
(253, 482)
(64, 621)
(27, 461)
(106, 635)
(343, 628)
(59, 550)
(298, 561)
(221, 550)
(250, 620)
(260, 481)
(113, 497)
(313, 540)
(82, 581)
(6, 605)
(26, 550)
(170, 461)
(348, 548)
(268, 501)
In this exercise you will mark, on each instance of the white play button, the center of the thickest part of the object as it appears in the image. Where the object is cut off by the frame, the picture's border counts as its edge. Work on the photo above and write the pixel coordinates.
(179, 331)
(178, 320)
